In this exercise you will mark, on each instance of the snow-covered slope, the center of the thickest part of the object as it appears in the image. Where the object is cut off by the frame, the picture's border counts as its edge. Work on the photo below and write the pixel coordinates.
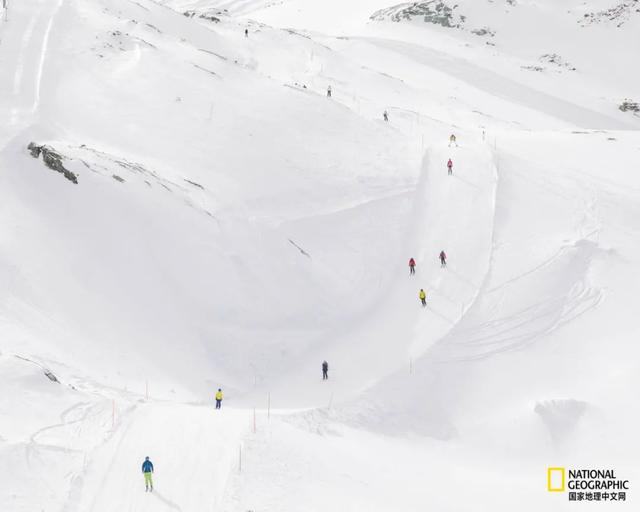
(223, 223)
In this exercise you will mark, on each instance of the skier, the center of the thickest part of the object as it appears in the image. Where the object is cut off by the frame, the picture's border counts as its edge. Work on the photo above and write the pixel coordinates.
(147, 471)
(443, 259)
(246, 32)
(452, 140)
(450, 167)
(423, 297)
(412, 267)
(219, 399)
(325, 370)
(329, 92)
(385, 116)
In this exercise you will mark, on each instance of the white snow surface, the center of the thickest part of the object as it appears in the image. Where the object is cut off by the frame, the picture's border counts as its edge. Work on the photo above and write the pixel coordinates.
(232, 227)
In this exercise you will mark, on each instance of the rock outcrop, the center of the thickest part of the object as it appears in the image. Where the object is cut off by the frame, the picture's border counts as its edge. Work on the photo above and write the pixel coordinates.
(431, 11)
(52, 160)
(629, 106)
(618, 14)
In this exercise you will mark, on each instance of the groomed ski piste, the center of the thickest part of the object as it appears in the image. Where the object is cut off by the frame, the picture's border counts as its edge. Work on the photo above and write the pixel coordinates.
(232, 227)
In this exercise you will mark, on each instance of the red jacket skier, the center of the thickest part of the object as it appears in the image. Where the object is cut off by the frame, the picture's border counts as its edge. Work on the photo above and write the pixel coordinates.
(450, 166)
(412, 266)
(443, 259)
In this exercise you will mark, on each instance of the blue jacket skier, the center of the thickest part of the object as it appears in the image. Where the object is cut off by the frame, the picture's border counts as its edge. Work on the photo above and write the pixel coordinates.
(147, 471)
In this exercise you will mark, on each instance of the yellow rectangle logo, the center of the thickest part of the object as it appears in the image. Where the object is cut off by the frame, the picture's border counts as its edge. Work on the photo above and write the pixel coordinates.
(555, 479)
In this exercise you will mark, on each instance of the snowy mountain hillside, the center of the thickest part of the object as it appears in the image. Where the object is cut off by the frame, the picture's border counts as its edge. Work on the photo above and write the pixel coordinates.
(199, 195)
(573, 49)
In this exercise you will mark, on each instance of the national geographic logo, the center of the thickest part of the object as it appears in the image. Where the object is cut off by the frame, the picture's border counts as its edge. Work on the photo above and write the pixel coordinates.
(587, 484)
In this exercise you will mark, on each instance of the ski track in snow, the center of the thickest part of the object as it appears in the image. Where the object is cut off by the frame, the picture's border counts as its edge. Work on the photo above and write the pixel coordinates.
(17, 80)
(43, 55)
(26, 75)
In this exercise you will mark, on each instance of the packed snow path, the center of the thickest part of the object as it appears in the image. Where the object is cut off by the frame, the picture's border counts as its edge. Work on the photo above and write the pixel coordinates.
(193, 448)
(454, 213)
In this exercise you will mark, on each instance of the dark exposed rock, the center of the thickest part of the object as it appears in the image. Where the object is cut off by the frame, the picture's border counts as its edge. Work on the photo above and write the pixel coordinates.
(551, 58)
(554, 58)
(629, 106)
(153, 27)
(213, 53)
(205, 70)
(618, 14)
(52, 160)
(118, 178)
(204, 16)
(193, 183)
(34, 150)
(432, 11)
(302, 251)
(533, 68)
(485, 31)
(210, 17)
(51, 376)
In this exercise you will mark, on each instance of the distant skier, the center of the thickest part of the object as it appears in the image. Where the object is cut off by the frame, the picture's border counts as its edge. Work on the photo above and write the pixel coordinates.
(329, 92)
(443, 259)
(325, 370)
(423, 297)
(147, 471)
(450, 167)
(412, 267)
(385, 115)
(246, 32)
(219, 397)
(452, 140)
